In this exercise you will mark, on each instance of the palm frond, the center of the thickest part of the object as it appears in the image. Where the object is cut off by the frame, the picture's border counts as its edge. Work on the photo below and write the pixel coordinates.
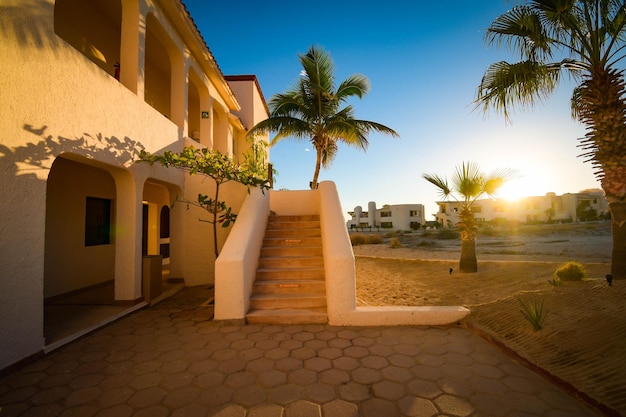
(520, 29)
(497, 178)
(354, 85)
(505, 85)
(441, 183)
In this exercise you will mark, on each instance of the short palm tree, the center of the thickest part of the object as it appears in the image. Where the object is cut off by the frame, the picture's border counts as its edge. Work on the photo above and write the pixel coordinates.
(313, 110)
(586, 40)
(467, 185)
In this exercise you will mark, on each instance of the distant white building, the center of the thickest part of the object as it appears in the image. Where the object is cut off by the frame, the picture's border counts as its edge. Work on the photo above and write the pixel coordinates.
(539, 209)
(396, 217)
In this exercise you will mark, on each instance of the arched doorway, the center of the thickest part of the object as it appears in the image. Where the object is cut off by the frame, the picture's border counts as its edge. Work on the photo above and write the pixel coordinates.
(79, 260)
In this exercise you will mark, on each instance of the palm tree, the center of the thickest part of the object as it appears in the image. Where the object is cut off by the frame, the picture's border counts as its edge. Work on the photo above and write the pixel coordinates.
(312, 110)
(468, 184)
(586, 40)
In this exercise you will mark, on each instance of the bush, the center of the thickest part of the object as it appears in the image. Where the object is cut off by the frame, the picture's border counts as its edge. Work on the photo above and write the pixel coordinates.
(570, 271)
(360, 239)
(427, 244)
(357, 239)
(395, 243)
(374, 239)
(447, 234)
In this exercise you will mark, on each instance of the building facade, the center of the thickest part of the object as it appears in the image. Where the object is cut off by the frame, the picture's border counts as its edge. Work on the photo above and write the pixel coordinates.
(394, 217)
(86, 86)
(584, 205)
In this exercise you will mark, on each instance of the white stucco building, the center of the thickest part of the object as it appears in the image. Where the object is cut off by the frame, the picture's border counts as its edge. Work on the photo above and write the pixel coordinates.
(537, 209)
(395, 217)
(87, 85)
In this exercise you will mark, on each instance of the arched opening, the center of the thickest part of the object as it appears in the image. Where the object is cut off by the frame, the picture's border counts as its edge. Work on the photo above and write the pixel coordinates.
(194, 112)
(94, 28)
(158, 69)
(156, 233)
(79, 260)
(222, 140)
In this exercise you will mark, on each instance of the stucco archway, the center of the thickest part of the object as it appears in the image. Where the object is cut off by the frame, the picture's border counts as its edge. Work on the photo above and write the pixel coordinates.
(79, 251)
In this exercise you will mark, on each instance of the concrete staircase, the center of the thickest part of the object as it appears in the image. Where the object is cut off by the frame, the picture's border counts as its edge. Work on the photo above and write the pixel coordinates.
(290, 287)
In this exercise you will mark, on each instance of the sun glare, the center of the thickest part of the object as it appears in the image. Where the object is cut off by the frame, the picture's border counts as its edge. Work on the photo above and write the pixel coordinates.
(515, 190)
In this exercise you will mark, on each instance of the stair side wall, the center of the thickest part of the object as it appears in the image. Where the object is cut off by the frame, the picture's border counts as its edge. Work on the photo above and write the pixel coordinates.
(235, 268)
(338, 256)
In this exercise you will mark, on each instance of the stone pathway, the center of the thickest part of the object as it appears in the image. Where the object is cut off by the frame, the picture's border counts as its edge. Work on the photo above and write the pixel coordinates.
(172, 360)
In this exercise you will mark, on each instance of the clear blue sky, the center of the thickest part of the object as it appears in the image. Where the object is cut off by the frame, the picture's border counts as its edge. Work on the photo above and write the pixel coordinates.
(424, 61)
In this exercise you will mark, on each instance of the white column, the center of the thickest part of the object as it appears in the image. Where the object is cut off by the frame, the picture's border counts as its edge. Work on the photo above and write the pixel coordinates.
(371, 208)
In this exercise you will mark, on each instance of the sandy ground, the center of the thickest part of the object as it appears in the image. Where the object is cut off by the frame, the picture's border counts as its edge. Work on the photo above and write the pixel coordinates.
(582, 344)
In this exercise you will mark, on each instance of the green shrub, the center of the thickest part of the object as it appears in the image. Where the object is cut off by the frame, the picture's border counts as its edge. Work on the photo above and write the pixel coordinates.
(570, 271)
(556, 282)
(534, 313)
(395, 243)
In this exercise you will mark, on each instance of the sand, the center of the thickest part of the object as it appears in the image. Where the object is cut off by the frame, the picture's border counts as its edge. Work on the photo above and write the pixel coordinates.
(582, 344)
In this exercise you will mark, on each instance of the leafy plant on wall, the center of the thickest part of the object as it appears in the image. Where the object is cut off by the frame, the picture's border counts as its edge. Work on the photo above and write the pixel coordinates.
(221, 169)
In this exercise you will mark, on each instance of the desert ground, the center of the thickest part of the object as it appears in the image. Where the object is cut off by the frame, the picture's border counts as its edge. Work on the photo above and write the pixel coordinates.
(582, 344)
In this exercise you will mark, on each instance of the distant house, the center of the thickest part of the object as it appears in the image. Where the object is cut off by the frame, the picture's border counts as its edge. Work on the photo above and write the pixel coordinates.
(396, 217)
(539, 209)
(86, 85)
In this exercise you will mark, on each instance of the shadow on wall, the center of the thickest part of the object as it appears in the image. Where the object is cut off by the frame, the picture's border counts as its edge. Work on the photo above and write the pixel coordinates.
(23, 166)
(30, 23)
(118, 152)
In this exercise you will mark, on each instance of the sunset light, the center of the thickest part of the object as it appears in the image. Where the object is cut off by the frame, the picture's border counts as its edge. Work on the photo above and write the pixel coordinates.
(518, 189)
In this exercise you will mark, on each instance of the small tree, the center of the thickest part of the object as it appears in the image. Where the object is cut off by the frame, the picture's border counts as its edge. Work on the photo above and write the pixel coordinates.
(469, 183)
(221, 169)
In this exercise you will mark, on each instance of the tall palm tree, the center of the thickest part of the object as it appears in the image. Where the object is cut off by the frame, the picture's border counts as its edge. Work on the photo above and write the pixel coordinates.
(467, 185)
(312, 110)
(586, 40)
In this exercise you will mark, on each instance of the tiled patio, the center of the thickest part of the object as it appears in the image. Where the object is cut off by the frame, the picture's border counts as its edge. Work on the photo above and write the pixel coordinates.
(172, 360)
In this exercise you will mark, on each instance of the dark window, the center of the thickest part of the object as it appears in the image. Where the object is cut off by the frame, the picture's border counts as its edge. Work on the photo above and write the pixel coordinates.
(97, 221)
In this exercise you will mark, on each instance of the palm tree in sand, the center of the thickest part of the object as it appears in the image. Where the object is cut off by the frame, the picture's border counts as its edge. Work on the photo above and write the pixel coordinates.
(467, 185)
(585, 40)
(313, 110)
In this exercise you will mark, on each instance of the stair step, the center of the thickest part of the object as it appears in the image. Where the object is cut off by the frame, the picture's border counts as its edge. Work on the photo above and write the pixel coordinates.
(293, 218)
(263, 274)
(293, 241)
(288, 301)
(291, 251)
(291, 262)
(280, 286)
(293, 233)
(288, 316)
(293, 225)
(290, 286)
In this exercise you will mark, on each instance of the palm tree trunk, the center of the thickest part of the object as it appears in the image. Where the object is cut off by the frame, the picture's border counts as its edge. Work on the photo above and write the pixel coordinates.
(618, 229)
(468, 261)
(318, 164)
(603, 110)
